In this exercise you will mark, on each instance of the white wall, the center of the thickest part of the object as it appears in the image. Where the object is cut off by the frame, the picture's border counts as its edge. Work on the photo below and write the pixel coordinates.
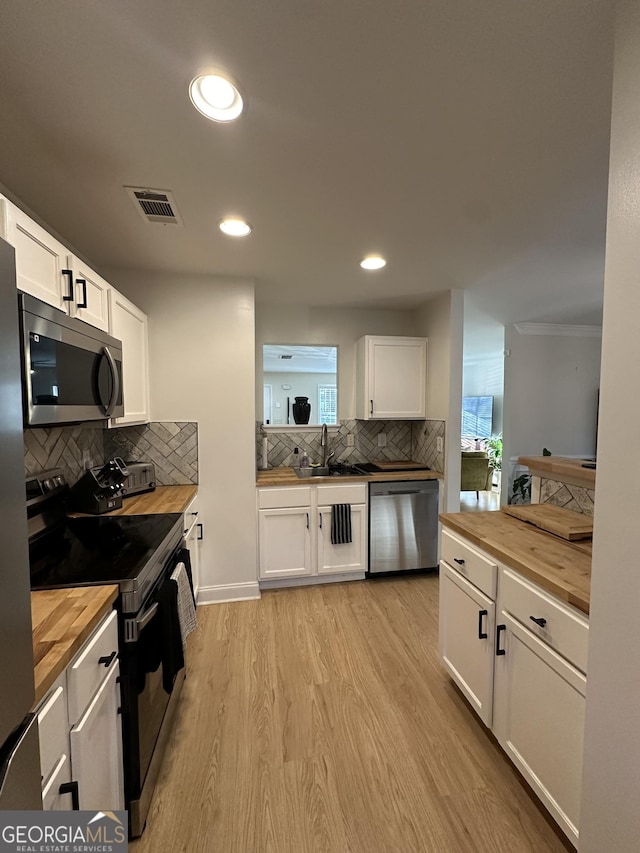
(201, 348)
(341, 327)
(442, 320)
(611, 790)
(550, 394)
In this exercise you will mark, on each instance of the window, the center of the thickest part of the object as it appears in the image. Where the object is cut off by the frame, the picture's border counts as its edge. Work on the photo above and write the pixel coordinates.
(327, 404)
(477, 416)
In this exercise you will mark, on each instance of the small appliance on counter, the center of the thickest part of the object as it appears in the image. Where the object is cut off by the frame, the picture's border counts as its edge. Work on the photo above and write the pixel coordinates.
(142, 478)
(99, 489)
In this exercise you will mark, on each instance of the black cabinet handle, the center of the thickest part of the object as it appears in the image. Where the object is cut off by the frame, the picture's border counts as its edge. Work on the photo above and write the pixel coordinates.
(307, 521)
(499, 630)
(459, 562)
(107, 659)
(200, 531)
(71, 788)
(69, 296)
(320, 521)
(538, 620)
(83, 283)
(482, 635)
(371, 410)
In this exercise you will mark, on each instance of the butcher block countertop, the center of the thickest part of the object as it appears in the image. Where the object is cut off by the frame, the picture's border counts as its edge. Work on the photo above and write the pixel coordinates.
(560, 468)
(62, 620)
(288, 477)
(563, 568)
(163, 499)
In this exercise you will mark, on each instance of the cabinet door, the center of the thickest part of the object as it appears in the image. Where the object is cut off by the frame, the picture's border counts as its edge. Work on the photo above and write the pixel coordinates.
(539, 707)
(397, 378)
(96, 749)
(349, 557)
(467, 619)
(285, 542)
(52, 799)
(40, 260)
(129, 324)
(91, 295)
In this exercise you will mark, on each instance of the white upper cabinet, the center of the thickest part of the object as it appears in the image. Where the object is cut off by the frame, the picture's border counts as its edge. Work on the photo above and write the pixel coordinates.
(129, 324)
(391, 378)
(91, 295)
(47, 270)
(41, 260)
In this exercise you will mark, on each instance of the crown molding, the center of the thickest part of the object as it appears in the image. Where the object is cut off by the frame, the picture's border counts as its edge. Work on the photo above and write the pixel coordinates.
(559, 329)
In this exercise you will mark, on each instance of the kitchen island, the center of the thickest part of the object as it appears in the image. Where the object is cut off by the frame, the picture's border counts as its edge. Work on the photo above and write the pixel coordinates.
(561, 567)
(514, 637)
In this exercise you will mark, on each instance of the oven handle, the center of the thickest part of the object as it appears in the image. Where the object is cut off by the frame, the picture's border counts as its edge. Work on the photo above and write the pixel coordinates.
(135, 626)
(116, 382)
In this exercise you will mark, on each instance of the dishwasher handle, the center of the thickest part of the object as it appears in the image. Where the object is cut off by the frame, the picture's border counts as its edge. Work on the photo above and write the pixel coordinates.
(390, 489)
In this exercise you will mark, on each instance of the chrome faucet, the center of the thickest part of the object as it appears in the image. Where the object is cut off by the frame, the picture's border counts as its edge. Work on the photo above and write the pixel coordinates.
(324, 444)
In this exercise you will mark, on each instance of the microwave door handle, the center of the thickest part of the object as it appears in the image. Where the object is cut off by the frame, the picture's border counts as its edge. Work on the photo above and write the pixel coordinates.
(116, 382)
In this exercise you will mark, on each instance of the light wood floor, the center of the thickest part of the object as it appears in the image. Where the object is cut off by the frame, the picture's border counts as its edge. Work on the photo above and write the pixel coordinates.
(485, 501)
(319, 719)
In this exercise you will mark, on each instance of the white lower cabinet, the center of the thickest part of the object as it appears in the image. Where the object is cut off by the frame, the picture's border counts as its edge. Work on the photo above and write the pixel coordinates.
(193, 535)
(294, 531)
(519, 655)
(467, 624)
(538, 718)
(80, 729)
(96, 748)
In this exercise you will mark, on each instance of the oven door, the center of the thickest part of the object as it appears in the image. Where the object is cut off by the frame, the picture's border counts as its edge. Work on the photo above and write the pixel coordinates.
(71, 371)
(152, 675)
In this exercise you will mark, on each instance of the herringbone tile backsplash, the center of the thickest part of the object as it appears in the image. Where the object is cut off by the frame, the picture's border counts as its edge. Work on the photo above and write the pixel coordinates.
(404, 440)
(46, 448)
(171, 446)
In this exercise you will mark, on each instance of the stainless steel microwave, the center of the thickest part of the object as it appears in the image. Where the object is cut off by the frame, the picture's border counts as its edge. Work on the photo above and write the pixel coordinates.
(70, 371)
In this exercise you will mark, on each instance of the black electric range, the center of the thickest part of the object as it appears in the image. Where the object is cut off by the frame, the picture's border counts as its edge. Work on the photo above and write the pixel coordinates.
(127, 550)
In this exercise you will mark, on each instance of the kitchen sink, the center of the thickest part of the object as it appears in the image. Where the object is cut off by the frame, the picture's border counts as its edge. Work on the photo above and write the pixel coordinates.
(312, 471)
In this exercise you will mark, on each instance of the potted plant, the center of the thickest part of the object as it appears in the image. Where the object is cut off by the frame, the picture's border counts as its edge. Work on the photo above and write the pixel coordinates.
(493, 446)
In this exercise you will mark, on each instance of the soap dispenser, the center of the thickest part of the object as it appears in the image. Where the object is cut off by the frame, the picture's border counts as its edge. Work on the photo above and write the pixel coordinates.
(304, 462)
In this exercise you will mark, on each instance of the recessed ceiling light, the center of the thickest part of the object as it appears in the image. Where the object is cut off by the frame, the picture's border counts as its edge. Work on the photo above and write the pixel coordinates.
(235, 227)
(216, 97)
(372, 262)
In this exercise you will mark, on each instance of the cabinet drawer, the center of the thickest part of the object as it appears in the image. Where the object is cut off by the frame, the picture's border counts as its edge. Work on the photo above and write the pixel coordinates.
(353, 494)
(283, 496)
(52, 799)
(476, 567)
(53, 728)
(564, 630)
(86, 673)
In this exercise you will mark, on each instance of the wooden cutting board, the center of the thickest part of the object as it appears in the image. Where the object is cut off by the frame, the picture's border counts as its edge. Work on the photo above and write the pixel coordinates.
(385, 465)
(554, 519)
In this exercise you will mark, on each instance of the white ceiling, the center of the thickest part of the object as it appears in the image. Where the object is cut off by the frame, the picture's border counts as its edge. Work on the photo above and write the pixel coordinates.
(466, 141)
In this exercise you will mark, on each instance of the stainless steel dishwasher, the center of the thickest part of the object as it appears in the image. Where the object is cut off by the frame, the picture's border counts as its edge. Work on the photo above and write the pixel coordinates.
(403, 526)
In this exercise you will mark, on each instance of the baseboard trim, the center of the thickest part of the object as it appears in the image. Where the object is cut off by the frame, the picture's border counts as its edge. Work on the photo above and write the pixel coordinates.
(282, 583)
(228, 592)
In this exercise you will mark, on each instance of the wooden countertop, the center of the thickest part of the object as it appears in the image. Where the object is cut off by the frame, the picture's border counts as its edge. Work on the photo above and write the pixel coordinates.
(62, 620)
(560, 468)
(163, 499)
(288, 477)
(563, 568)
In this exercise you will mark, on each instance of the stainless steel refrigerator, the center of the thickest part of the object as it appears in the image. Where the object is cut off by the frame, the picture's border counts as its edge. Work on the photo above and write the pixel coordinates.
(20, 782)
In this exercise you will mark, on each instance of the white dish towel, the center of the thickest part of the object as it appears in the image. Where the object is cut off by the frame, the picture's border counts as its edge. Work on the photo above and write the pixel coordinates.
(186, 607)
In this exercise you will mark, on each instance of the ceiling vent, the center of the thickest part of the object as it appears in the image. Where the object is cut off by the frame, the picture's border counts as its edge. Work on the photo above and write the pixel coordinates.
(155, 205)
